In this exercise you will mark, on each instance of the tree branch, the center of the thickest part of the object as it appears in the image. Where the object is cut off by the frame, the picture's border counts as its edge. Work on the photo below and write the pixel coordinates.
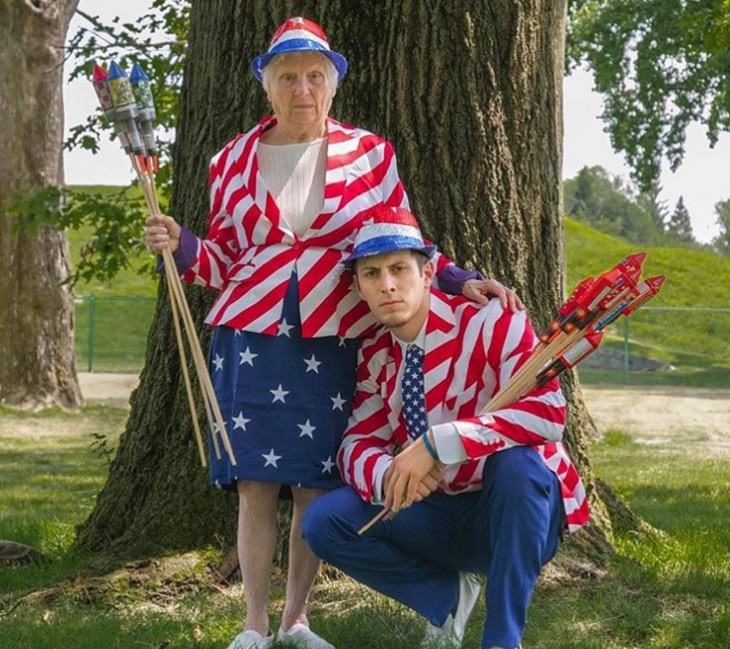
(115, 40)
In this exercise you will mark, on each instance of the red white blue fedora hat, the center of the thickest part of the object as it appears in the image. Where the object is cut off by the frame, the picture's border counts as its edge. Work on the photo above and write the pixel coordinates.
(299, 34)
(388, 229)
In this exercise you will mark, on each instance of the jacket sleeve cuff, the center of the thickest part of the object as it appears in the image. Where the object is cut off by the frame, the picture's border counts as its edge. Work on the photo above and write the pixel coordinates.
(452, 279)
(378, 497)
(448, 444)
(186, 254)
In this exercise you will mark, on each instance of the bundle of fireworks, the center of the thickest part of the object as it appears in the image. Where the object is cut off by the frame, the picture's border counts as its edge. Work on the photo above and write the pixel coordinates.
(577, 329)
(128, 105)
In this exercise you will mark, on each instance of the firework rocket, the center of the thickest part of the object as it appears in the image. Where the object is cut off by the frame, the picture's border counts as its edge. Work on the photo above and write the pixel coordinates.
(594, 295)
(99, 80)
(125, 108)
(595, 303)
(145, 110)
(570, 357)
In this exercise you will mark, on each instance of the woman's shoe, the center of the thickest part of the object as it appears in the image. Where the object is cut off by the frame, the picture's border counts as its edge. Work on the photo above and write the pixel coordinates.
(302, 637)
(251, 640)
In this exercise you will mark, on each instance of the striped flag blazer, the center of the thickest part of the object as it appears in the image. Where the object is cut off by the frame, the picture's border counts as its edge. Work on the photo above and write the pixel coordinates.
(250, 251)
(470, 352)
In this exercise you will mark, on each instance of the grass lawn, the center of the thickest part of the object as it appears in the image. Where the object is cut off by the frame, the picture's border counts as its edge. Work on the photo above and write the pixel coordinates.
(665, 593)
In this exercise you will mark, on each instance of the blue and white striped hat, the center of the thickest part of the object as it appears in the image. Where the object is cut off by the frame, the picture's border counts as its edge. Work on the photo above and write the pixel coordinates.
(299, 34)
(391, 229)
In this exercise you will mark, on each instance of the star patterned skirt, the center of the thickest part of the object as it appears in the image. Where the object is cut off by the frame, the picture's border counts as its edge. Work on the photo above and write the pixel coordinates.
(285, 401)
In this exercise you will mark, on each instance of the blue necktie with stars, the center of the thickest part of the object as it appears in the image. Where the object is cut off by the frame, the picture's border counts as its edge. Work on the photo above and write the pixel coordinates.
(412, 388)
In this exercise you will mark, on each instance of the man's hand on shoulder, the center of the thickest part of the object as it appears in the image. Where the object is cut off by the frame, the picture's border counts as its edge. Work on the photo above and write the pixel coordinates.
(412, 476)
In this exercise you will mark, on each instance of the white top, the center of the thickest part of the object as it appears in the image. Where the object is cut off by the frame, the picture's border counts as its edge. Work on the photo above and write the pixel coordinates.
(295, 176)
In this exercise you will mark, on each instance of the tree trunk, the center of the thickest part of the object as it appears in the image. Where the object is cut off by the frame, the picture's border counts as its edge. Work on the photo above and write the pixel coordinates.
(470, 93)
(37, 365)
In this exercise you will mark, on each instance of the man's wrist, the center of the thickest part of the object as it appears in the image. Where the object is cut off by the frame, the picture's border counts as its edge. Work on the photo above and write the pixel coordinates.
(428, 443)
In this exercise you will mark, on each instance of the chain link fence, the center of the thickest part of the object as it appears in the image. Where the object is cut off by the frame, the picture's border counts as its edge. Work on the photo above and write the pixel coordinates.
(664, 346)
(656, 346)
(111, 332)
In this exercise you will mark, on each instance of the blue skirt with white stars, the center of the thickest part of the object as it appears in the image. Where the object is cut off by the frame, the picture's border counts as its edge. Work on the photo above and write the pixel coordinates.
(285, 401)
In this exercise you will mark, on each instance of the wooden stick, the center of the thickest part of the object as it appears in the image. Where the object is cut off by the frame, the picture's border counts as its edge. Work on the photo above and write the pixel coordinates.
(213, 430)
(186, 375)
(150, 195)
(198, 358)
(216, 422)
(372, 521)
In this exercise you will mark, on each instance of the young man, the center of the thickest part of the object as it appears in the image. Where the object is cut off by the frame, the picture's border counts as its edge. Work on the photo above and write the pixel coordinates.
(469, 492)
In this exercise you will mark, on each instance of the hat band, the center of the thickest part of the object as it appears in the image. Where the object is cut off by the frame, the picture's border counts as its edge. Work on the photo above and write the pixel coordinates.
(297, 45)
(385, 244)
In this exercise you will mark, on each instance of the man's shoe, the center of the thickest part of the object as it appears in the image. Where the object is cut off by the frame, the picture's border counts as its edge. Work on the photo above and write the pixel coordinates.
(251, 640)
(451, 634)
(302, 637)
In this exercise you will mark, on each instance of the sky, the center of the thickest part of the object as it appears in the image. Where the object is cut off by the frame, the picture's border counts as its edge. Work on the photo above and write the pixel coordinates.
(702, 179)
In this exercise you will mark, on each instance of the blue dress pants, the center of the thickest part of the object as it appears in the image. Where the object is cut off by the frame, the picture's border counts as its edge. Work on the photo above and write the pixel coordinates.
(507, 531)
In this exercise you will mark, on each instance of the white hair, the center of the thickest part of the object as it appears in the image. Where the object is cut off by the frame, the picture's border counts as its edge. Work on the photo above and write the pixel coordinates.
(330, 72)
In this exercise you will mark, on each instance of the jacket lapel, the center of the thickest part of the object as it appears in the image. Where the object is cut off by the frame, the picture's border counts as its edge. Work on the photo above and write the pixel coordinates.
(340, 142)
(441, 345)
(391, 394)
(258, 189)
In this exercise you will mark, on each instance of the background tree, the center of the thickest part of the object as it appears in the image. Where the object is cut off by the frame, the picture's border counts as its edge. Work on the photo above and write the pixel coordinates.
(36, 318)
(722, 241)
(609, 204)
(470, 93)
(654, 207)
(679, 223)
(660, 66)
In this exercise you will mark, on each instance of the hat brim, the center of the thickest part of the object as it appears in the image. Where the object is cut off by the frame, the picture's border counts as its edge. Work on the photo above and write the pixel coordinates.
(298, 45)
(385, 245)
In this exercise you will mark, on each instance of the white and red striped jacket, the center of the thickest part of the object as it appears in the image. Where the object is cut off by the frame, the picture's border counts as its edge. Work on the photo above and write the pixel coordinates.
(469, 353)
(250, 251)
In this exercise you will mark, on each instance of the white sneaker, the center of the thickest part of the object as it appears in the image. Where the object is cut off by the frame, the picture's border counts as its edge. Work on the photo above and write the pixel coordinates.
(251, 640)
(451, 634)
(302, 637)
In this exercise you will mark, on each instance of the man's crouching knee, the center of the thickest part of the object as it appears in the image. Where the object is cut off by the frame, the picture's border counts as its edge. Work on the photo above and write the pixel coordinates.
(320, 529)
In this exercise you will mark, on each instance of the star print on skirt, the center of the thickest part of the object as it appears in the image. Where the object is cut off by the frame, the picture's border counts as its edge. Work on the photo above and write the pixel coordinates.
(285, 401)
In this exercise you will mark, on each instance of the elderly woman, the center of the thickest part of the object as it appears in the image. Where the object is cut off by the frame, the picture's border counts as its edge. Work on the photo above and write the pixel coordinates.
(286, 198)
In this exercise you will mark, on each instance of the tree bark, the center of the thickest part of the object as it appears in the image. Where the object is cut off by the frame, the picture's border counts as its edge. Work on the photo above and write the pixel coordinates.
(37, 366)
(470, 93)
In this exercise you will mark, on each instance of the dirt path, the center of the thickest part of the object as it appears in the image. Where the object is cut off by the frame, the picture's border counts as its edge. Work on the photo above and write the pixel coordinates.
(109, 389)
(664, 415)
(651, 415)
